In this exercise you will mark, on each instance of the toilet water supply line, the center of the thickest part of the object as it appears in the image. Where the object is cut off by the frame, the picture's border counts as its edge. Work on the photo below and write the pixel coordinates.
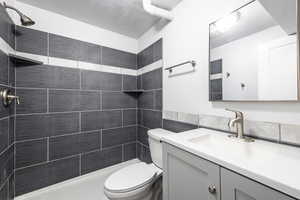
(159, 12)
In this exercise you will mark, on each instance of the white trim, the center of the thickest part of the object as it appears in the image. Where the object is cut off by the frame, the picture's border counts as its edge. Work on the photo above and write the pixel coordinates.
(62, 62)
(216, 76)
(40, 58)
(151, 67)
(131, 72)
(5, 47)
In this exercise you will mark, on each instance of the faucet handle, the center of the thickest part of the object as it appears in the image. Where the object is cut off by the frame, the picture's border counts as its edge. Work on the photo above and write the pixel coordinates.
(237, 113)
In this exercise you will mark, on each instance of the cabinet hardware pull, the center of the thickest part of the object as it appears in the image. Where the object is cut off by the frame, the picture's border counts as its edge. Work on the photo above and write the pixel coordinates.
(212, 189)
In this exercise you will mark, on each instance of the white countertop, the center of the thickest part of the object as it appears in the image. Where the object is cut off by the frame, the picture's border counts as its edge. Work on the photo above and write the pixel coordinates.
(275, 165)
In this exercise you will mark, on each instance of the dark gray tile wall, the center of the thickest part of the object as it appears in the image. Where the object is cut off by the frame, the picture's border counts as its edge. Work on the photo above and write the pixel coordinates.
(7, 114)
(151, 54)
(150, 101)
(176, 126)
(70, 121)
(36, 42)
(72, 117)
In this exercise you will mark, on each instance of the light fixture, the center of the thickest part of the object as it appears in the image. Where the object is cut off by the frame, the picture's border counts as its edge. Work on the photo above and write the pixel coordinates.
(226, 23)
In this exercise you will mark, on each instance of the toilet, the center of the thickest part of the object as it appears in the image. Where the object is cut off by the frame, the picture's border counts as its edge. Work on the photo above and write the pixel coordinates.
(140, 181)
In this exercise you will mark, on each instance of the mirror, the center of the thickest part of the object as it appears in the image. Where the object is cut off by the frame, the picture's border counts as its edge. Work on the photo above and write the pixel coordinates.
(254, 53)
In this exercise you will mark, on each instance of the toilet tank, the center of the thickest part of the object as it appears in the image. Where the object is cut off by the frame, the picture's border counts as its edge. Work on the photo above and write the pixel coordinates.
(155, 145)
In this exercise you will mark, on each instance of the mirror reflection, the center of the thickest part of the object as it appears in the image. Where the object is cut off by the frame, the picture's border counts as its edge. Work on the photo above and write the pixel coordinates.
(253, 53)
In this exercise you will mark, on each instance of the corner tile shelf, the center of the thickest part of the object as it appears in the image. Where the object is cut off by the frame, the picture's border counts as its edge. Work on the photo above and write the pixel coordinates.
(22, 61)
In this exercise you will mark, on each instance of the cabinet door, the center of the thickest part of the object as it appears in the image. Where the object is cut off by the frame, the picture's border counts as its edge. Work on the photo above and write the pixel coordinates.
(188, 177)
(237, 187)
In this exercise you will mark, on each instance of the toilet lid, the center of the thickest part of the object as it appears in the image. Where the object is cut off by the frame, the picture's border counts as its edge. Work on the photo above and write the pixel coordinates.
(131, 178)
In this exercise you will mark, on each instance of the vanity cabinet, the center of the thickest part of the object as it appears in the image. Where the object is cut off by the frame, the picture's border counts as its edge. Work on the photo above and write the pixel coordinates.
(189, 177)
(237, 187)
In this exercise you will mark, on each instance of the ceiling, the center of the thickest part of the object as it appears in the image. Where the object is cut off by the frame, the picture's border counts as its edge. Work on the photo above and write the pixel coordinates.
(258, 16)
(126, 17)
(254, 18)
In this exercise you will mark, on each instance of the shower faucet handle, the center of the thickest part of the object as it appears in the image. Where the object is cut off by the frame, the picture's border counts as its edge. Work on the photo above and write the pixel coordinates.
(7, 97)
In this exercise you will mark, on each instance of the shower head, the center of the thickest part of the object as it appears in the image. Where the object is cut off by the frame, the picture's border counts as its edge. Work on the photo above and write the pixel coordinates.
(25, 20)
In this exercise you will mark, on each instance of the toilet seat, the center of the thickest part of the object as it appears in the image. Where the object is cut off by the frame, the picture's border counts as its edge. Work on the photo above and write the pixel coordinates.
(132, 178)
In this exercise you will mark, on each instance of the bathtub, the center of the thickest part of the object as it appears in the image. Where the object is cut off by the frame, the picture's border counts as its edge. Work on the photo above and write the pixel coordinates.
(86, 187)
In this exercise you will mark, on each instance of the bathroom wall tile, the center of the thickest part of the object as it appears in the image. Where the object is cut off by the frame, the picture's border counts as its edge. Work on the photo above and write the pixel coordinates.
(11, 129)
(177, 127)
(4, 191)
(117, 100)
(101, 81)
(145, 57)
(4, 134)
(158, 101)
(63, 47)
(290, 134)
(12, 187)
(113, 137)
(46, 174)
(100, 119)
(129, 82)
(129, 117)
(142, 135)
(89, 52)
(3, 68)
(32, 101)
(31, 152)
(46, 76)
(143, 153)
(48, 125)
(216, 67)
(118, 58)
(140, 116)
(152, 80)
(66, 100)
(157, 50)
(146, 100)
(139, 82)
(215, 96)
(214, 122)
(188, 118)
(6, 111)
(6, 27)
(31, 41)
(216, 86)
(11, 72)
(152, 119)
(263, 130)
(6, 164)
(170, 115)
(64, 146)
(100, 159)
(129, 151)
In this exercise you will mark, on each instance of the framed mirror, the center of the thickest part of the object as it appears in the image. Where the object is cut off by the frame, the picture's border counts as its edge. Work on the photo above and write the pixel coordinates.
(254, 53)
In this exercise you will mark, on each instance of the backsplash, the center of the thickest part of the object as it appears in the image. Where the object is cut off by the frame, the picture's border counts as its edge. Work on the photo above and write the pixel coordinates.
(7, 79)
(275, 132)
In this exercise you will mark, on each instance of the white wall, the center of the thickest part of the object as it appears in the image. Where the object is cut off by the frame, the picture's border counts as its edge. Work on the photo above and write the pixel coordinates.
(185, 38)
(54, 23)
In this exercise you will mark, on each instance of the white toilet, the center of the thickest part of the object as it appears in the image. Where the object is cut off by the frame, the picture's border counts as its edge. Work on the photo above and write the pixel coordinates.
(139, 181)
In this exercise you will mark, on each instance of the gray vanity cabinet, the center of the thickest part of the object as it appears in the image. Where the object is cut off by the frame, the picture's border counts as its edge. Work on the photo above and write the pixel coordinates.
(237, 187)
(188, 177)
